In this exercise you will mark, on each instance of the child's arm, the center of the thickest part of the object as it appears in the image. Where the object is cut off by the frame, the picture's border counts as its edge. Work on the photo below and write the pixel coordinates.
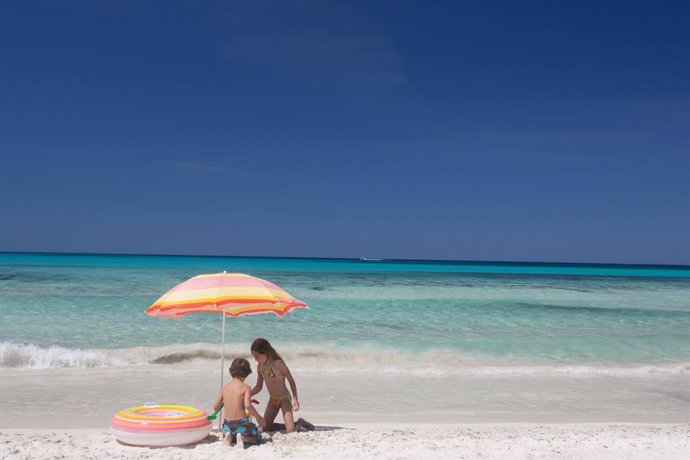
(280, 364)
(259, 382)
(258, 417)
(248, 407)
(219, 401)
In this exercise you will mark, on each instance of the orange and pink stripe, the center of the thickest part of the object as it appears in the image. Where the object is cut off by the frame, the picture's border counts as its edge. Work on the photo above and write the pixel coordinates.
(236, 294)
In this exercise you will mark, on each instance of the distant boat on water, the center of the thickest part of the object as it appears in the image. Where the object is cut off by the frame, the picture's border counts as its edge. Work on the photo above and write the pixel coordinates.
(368, 259)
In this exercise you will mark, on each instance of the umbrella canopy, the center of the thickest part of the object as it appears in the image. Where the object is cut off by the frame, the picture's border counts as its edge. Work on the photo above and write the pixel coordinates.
(234, 294)
(231, 294)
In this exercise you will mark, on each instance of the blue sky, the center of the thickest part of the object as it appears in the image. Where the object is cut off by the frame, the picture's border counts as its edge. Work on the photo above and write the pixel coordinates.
(523, 131)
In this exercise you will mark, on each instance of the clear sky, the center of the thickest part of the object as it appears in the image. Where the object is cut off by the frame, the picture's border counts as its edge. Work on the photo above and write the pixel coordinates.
(471, 130)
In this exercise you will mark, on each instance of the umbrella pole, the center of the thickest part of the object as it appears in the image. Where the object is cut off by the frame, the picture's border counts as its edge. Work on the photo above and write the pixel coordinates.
(222, 352)
(222, 365)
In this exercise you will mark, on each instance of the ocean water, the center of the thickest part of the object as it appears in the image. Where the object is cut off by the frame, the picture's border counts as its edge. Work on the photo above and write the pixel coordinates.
(401, 317)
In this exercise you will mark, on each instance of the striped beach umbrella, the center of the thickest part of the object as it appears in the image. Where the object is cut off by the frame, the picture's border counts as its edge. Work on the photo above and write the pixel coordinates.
(234, 294)
(231, 294)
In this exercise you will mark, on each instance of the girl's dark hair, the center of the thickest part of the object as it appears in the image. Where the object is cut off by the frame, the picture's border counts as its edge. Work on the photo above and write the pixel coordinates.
(240, 368)
(262, 346)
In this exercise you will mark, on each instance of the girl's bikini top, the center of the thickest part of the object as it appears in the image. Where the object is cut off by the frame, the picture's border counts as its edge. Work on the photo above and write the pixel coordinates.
(268, 371)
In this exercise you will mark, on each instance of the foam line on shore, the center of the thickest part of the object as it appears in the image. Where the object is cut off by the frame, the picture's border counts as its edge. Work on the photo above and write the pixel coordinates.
(327, 359)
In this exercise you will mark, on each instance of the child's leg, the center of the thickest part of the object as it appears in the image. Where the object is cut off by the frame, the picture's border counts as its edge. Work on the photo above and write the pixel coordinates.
(269, 416)
(287, 416)
(228, 438)
(301, 423)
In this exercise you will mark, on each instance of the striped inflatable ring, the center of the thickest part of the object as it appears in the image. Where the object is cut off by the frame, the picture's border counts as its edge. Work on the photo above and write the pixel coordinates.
(162, 425)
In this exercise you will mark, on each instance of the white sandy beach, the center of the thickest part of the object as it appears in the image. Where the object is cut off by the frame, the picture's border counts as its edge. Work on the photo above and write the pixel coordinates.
(382, 441)
(66, 414)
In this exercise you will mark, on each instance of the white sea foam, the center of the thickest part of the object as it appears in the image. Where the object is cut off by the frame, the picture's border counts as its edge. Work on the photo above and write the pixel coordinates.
(22, 355)
(498, 371)
(13, 355)
(325, 359)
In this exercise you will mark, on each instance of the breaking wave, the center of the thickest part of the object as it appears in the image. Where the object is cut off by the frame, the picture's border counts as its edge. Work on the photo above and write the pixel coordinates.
(324, 359)
(13, 355)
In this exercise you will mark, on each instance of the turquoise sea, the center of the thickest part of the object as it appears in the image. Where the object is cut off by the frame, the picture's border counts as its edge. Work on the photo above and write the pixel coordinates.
(66, 310)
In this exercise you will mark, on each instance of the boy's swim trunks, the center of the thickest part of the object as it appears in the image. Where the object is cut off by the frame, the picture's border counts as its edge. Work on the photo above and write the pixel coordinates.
(249, 431)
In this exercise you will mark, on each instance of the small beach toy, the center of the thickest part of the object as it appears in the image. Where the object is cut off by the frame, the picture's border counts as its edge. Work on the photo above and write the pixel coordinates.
(214, 414)
(160, 425)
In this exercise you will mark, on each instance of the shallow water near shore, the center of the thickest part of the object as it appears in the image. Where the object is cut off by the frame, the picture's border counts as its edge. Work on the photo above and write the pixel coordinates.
(484, 340)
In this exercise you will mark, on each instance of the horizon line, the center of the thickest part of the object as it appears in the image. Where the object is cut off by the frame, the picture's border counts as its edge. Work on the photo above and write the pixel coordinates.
(354, 259)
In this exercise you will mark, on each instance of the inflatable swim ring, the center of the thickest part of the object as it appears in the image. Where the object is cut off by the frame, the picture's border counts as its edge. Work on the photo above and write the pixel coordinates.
(160, 425)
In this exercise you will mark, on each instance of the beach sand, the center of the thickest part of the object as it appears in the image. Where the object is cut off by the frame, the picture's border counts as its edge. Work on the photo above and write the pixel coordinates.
(382, 441)
(65, 413)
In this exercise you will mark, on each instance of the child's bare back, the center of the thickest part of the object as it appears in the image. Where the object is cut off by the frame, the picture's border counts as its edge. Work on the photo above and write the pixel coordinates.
(236, 399)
